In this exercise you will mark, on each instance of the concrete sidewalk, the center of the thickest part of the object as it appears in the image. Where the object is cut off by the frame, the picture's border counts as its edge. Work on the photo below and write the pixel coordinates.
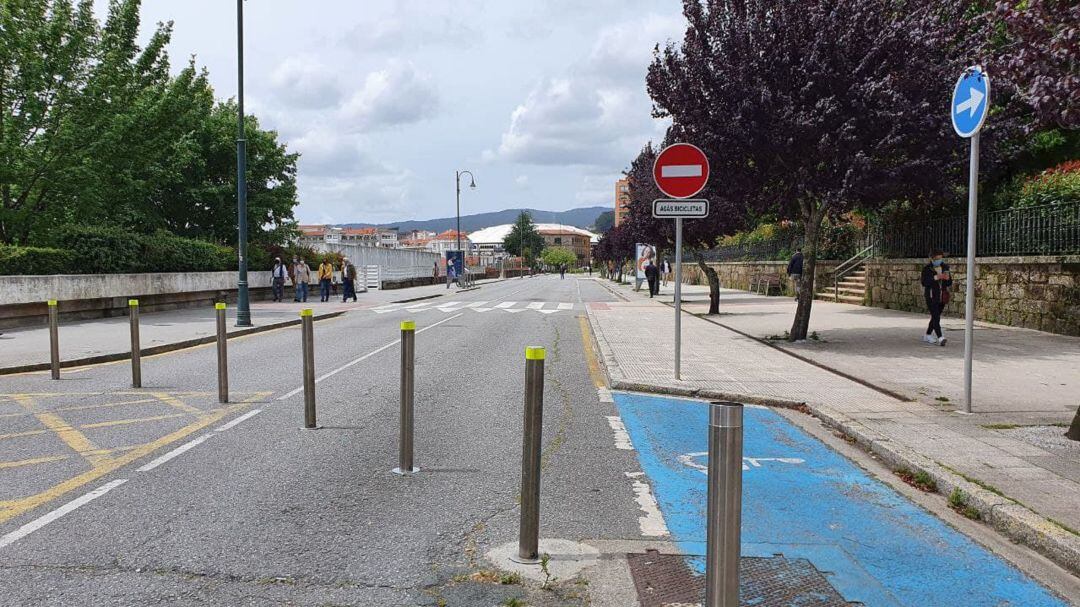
(1025, 487)
(100, 340)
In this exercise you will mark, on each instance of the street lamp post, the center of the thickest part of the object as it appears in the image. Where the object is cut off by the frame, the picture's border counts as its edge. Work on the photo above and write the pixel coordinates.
(457, 184)
(243, 308)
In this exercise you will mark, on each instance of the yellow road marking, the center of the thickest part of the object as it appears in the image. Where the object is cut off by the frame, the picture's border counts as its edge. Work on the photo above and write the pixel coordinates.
(593, 363)
(18, 434)
(12, 508)
(177, 403)
(78, 441)
(30, 462)
(106, 405)
(137, 420)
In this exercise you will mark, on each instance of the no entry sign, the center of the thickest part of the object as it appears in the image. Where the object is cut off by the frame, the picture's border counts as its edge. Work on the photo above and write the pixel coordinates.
(681, 170)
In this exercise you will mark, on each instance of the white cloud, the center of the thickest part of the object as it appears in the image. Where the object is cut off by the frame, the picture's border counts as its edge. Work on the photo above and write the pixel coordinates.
(416, 24)
(522, 181)
(599, 113)
(395, 95)
(305, 83)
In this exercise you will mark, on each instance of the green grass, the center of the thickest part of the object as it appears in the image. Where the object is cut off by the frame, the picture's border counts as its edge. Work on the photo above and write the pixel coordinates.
(1001, 426)
(942, 399)
(1064, 526)
(513, 602)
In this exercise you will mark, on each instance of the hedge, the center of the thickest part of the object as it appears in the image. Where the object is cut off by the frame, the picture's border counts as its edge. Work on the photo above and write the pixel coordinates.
(34, 260)
(100, 250)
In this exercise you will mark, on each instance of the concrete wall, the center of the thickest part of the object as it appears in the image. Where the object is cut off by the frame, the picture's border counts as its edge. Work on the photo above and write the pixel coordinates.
(384, 258)
(1040, 293)
(738, 274)
(23, 298)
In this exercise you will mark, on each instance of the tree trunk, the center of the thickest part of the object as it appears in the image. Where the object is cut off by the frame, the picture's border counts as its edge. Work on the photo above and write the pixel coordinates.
(1074, 429)
(714, 286)
(812, 229)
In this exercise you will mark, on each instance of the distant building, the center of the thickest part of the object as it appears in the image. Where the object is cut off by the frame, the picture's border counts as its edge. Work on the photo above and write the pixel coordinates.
(622, 200)
(448, 241)
(488, 242)
(314, 235)
(388, 238)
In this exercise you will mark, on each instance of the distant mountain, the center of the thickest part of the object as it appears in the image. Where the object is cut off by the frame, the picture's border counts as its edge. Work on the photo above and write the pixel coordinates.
(581, 218)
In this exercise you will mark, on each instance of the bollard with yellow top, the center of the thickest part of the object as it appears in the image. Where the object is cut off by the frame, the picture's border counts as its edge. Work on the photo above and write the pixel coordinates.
(222, 354)
(532, 444)
(307, 339)
(136, 348)
(408, 367)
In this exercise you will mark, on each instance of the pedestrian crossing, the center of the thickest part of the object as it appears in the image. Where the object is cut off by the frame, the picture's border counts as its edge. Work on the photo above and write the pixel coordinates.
(509, 307)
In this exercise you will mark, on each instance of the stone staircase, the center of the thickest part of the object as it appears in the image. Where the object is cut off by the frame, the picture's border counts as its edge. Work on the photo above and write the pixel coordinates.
(851, 288)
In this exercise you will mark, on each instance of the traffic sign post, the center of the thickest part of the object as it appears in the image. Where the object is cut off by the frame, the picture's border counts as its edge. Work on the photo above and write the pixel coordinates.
(681, 171)
(968, 110)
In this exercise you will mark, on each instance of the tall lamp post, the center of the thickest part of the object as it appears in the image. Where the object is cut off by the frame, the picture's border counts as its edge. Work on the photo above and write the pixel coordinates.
(457, 183)
(243, 308)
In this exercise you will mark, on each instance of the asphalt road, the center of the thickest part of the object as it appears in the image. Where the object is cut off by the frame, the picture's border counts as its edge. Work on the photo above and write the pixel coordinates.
(263, 512)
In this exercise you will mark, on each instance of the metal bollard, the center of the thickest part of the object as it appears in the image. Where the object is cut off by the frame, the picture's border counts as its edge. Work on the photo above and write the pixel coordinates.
(529, 530)
(408, 367)
(725, 505)
(136, 348)
(307, 337)
(54, 338)
(222, 355)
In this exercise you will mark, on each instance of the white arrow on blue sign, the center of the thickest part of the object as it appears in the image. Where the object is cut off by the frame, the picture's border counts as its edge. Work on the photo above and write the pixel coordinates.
(970, 100)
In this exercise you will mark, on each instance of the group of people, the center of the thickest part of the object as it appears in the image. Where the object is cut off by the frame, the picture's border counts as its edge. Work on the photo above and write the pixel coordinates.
(300, 275)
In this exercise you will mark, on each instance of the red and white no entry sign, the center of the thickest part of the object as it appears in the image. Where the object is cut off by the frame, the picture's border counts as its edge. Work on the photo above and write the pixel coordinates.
(681, 170)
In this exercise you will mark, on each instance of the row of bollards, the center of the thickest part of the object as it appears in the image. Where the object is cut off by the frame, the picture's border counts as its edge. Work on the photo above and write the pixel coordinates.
(724, 512)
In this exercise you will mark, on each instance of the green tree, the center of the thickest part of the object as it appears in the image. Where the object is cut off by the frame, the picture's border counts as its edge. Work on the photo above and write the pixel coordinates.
(523, 239)
(605, 222)
(95, 130)
(558, 256)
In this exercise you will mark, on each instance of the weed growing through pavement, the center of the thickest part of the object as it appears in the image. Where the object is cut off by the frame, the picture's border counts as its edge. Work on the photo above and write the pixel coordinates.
(958, 502)
(920, 480)
(545, 560)
(942, 399)
(513, 602)
(1001, 426)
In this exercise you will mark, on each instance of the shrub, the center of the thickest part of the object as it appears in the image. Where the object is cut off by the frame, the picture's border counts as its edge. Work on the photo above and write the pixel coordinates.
(1059, 184)
(35, 261)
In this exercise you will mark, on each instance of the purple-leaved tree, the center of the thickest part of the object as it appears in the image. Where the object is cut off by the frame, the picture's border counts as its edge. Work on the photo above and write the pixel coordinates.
(810, 108)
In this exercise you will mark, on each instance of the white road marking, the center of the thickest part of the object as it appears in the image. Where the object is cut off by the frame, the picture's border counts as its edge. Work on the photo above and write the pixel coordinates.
(681, 170)
(536, 305)
(688, 460)
(566, 306)
(239, 420)
(67, 508)
(506, 304)
(293, 393)
(175, 452)
(604, 395)
(652, 524)
(476, 304)
(622, 437)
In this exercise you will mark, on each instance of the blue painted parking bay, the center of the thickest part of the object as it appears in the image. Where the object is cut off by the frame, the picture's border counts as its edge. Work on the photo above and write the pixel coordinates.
(801, 499)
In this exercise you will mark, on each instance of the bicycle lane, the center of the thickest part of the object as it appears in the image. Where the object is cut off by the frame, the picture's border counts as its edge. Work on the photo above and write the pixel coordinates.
(803, 500)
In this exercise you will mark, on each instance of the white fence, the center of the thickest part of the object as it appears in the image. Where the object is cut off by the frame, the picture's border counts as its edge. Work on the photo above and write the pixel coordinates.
(386, 259)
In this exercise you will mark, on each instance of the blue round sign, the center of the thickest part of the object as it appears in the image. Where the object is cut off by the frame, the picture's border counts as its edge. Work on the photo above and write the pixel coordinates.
(970, 101)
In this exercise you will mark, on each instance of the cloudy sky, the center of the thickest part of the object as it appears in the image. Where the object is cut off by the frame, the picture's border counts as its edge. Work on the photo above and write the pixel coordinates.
(544, 100)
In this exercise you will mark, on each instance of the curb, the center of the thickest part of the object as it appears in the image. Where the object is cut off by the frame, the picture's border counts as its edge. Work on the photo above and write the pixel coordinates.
(162, 349)
(1006, 516)
(399, 301)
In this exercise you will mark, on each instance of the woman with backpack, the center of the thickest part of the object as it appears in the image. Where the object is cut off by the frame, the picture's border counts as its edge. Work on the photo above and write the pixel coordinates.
(936, 281)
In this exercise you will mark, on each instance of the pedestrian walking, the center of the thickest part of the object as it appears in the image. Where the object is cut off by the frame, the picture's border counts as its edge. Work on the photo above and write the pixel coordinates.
(435, 274)
(794, 271)
(665, 271)
(277, 276)
(562, 272)
(301, 278)
(936, 281)
(590, 269)
(326, 279)
(348, 281)
(451, 272)
(652, 275)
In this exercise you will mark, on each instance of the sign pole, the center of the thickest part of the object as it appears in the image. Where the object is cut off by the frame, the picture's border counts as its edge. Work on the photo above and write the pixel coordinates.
(678, 298)
(969, 292)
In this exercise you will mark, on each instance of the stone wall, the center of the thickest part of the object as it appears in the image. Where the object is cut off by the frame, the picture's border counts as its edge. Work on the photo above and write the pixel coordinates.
(738, 274)
(1040, 293)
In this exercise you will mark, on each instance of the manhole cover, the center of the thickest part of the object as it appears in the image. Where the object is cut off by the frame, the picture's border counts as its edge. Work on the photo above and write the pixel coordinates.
(665, 580)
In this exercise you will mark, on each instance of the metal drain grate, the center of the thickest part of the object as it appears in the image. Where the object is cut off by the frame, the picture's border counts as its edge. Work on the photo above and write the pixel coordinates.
(665, 580)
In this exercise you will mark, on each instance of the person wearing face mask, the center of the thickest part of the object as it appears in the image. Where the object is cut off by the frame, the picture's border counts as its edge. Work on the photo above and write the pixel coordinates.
(936, 281)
